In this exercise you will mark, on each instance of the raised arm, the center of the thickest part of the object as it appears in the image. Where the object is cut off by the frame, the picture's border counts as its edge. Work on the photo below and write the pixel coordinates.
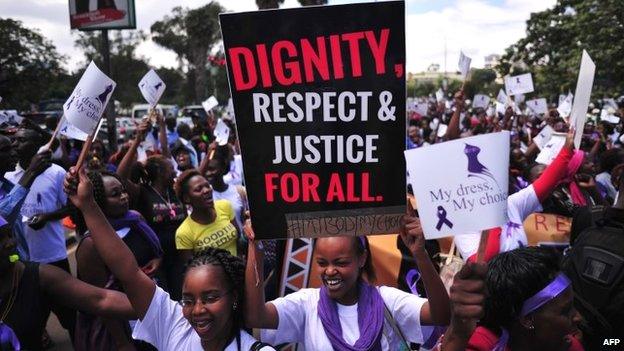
(74, 293)
(452, 132)
(116, 255)
(436, 311)
(162, 136)
(259, 314)
(125, 166)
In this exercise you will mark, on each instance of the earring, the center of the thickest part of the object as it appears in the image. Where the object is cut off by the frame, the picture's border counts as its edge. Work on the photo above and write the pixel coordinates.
(531, 327)
(235, 306)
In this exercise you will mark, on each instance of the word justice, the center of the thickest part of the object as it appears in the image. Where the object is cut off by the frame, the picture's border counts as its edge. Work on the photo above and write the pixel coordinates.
(325, 149)
(292, 187)
(313, 58)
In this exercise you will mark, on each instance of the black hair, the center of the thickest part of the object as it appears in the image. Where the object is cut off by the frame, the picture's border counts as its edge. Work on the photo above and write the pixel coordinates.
(42, 135)
(99, 195)
(512, 278)
(154, 167)
(234, 269)
(611, 158)
(362, 246)
(181, 185)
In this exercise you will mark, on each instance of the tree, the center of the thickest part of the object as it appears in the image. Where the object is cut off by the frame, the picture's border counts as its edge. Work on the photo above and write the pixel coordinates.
(554, 42)
(29, 65)
(191, 34)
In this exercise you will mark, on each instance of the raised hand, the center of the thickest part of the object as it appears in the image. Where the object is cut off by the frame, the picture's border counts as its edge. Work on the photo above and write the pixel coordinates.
(78, 187)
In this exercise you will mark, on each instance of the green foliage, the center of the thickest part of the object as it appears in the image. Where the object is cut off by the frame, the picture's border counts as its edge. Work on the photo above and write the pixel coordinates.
(30, 66)
(555, 39)
(192, 35)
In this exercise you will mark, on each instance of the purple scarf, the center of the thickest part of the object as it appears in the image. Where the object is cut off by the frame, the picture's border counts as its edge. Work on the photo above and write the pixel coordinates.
(8, 339)
(370, 320)
(135, 221)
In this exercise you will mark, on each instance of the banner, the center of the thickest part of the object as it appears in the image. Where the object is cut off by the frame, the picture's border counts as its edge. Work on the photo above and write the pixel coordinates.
(152, 87)
(319, 96)
(110, 14)
(459, 181)
(87, 102)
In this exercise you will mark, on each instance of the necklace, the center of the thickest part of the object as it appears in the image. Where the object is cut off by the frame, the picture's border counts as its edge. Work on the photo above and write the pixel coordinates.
(172, 212)
(12, 297)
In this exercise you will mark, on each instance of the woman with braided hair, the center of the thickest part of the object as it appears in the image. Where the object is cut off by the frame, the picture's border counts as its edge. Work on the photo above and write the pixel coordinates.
(210, 313)
(92, 332)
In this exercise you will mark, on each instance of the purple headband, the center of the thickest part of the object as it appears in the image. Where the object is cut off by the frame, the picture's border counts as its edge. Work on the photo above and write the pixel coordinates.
(3, 221)
(552, 290)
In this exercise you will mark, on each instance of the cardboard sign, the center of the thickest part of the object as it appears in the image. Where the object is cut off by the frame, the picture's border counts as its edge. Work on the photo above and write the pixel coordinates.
(221, 132)
(319, 96)
(87, 102)
(551, 148)
(152, 87)
(521, 84)
(538, 106)
(210, 103)
(543, 136)
(464, 64)
(90, 15)
(584, 84)
(481, 101)
(613, 119)
(502, 97)
(460, 180)
(565, 105)
(70, 131)
(547, 229)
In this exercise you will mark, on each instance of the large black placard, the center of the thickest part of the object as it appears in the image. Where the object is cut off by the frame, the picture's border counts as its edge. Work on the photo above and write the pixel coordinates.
(319, 97)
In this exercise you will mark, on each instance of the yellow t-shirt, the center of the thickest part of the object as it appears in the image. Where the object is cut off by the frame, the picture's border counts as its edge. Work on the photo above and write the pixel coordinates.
(220, 233)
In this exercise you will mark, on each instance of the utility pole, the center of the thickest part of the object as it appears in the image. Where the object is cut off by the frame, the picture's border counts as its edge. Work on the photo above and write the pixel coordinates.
(109, 113)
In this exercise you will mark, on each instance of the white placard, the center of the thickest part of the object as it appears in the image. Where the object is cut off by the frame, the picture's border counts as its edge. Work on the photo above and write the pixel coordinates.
(210, 103)
(500, 108)
(539, 106)
(464, 64)
(461, 185)
(422, 108)
(152, 87)
(543, 136)
(439, 95)
(87, 102)
(521, 84)
(221, 132)
(565, 105)
(442, 130)
(551, 148)
(613, 119)
(502, 97)
(481, 101)
(10, 117)
(584, 84)
(70, 131)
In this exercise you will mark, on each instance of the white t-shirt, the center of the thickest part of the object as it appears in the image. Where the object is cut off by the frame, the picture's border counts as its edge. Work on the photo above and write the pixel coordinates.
(299, 321)
(165, 328)
(235, 175)
(46, 195)
(519, 206)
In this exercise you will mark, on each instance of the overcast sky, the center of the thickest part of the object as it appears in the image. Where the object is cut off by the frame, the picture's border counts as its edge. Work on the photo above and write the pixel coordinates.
(478, 27)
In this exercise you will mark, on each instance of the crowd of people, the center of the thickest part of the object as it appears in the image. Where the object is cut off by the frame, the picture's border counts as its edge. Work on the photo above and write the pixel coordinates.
(167, 257)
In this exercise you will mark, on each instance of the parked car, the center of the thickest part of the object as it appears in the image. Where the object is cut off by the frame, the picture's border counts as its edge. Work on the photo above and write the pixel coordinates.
(140, 110)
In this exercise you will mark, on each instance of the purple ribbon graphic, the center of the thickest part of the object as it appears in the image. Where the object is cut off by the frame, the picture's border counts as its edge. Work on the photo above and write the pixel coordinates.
(442, 219)
(411, 278)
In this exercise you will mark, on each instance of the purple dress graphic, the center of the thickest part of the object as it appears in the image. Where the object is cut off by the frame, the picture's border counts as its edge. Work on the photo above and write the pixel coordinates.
(102, 97)
(475, 168)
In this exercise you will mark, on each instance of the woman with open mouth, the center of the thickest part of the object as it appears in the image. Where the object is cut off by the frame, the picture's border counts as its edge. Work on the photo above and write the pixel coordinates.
(348, 312)
(210, 314)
